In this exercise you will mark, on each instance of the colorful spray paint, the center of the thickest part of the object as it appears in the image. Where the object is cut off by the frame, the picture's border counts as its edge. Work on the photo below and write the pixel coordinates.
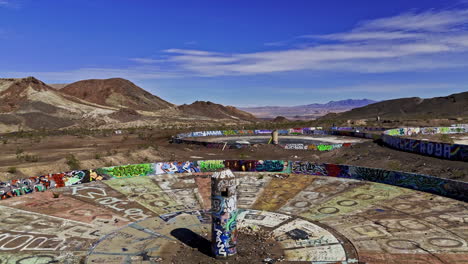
(224, 214)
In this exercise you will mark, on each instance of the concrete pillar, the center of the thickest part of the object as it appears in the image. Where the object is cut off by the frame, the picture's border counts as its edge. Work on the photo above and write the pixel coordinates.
(224, 214)
(274, 136)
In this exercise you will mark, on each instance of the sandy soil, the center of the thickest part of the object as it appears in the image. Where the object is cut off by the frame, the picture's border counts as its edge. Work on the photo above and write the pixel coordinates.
(249, 250)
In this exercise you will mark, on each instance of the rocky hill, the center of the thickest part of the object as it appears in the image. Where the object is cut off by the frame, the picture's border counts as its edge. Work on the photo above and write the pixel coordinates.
(452, 106)
(310, 111)
(216, 111)
(115, 92)
(30, 104)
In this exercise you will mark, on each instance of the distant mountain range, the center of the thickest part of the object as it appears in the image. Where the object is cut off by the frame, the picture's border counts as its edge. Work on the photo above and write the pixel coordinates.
(310, 111)
(451, 106)
(29, 104)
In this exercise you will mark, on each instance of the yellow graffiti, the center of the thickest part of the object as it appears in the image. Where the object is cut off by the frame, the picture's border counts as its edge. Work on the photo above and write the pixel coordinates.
(279, 191)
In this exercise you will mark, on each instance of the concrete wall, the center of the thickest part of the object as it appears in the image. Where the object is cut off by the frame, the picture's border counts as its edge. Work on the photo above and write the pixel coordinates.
(444, 187)
(185, 138)
(395, 138)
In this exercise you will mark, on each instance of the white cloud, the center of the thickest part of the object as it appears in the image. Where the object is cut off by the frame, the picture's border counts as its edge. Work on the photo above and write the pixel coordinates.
(191, 52)
(432, 20)
(372, 46)
(145, 60)
(15, 4)
(368, 35)
(412, 41)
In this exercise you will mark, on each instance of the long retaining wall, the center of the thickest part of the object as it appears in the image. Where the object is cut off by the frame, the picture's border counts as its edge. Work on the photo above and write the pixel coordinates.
(444, 187)
(397, 138)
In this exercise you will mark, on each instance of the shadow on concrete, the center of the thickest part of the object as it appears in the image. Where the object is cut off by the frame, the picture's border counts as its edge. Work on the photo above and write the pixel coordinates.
(193, 240)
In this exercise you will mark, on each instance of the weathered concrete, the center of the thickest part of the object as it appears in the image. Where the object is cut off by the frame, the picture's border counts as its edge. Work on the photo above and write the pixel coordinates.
(315, 219)
(224, 214)
(274, 137)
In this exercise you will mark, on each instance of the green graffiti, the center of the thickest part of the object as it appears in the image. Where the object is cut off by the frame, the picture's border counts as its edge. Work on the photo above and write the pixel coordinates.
(134, 170)
(444, 130)
(324, 147)
(40, 188)
(229, 132)
(210, 165)
(393, 132)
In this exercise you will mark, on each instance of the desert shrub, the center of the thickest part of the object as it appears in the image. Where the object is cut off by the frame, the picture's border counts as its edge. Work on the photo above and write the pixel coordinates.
(339, 160)
(445, 138)
(394, 165)
(19, 151)
(31, 158)
(12, 169)
(97, 156)
(73, 162)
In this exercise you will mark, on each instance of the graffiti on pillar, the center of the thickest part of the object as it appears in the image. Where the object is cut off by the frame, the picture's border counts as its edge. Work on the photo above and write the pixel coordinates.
(224, 213)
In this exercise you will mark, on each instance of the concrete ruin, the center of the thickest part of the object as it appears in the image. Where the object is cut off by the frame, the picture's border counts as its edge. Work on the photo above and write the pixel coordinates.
(224, 214)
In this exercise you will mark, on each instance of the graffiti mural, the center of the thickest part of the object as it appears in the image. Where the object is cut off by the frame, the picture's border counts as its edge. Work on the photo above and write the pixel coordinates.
(392, 139)
(175, 167)
(125, 171)
(321, 219)
(425, 183)
(210, 165)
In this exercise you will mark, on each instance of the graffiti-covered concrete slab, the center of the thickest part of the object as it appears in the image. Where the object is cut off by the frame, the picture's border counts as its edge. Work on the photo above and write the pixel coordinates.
(315, 219)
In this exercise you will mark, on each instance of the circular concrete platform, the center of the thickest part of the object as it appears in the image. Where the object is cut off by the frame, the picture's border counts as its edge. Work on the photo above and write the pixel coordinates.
(284, 139)
(314, 218)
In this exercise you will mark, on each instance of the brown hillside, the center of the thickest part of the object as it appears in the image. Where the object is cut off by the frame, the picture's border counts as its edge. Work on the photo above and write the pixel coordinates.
(452, 106)
(14, 92)
(215, 111)
(29, 103)
(115, 92)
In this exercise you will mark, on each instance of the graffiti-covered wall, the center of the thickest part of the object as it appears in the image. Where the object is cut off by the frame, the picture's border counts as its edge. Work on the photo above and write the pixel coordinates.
(185, 138)
(290, 131)
(395, 138)
(445, 187)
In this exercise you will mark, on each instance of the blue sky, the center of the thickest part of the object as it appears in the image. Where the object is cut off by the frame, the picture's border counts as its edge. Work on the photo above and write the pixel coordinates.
(243, 53)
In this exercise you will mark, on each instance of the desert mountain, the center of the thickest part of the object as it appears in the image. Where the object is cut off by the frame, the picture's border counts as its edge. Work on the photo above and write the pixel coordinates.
(452, 106)
(216, 111)
(115, 92)
(309, 111)
(29, 104)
